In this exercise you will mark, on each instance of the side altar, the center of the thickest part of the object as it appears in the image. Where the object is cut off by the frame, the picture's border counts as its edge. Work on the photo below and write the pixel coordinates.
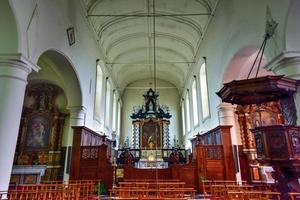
(151, 146)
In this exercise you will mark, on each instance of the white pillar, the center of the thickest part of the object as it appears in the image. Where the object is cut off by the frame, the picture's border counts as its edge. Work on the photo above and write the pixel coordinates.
(77, 118)
(77, 115)
(226, 113)
(14, 69)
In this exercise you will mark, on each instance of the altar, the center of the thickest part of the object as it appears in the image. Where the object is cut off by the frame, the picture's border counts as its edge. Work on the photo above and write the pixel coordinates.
(151, 159)
(150, 146)
(27, 174)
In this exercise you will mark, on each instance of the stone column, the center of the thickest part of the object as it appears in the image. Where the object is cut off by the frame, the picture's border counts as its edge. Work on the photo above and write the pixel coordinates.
(77, 118)
(14, 69)
(226, 113)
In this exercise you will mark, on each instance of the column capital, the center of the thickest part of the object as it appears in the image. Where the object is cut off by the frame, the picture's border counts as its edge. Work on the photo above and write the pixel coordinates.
(18, 60)
(16, 66)
(226, 106)
(286, 63)
(77, 109)
(77, 115)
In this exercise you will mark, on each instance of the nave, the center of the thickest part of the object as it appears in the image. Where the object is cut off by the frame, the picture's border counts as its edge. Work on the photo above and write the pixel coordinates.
(149, 99)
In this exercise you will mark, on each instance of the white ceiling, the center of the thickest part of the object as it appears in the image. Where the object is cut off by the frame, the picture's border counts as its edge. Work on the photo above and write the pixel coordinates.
(124, 30)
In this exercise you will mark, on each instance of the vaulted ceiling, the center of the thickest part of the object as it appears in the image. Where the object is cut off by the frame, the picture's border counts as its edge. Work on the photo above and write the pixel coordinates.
(126, 34)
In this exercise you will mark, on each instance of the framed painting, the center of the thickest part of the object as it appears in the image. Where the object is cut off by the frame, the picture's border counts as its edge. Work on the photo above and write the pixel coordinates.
(38, 132)
(151, 137)
(71, 35)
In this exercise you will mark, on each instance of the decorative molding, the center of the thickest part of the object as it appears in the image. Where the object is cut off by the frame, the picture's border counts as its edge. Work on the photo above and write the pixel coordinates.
(282, 60)
(20, 61)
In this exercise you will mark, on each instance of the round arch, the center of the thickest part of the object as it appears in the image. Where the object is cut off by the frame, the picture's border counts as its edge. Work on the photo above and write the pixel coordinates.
(240, 64)
(56, 68)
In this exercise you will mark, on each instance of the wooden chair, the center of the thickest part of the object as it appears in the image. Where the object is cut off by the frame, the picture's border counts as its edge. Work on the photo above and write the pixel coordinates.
(235, 195)
(294, 195)
(205, 187)
(270, 195)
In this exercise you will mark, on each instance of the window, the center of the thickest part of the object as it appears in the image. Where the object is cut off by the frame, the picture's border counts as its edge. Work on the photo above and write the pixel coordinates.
(204, 92)
(187, 109)
(183, 118)
(195, 104)
(107, 104)
(119, 117)
(98, 92)
(115, 114)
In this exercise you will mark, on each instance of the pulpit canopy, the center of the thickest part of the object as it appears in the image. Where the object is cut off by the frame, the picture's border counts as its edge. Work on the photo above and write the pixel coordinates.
(257, 90)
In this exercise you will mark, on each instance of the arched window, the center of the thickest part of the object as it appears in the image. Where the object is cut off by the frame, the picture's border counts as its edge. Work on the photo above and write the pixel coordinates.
(115, 114)
(107, 103)
(204, 92)
(98, 92)
(119, 118)
(187, 108)
(195, 103)
(183, 118)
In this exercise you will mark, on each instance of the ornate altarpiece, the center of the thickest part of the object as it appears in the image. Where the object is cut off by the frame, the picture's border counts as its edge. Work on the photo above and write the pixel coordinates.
(151, 132)
(40, 135)
(151, 124)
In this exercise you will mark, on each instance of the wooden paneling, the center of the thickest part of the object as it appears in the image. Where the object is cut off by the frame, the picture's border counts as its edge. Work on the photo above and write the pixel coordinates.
(214, 155)
(91, 156)
(215, 170)
(184, 173)
(135, 173)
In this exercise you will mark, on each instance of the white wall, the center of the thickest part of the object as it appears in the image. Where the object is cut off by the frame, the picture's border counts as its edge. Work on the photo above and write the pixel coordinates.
(42, 26)
(132, 96)
(237, 24)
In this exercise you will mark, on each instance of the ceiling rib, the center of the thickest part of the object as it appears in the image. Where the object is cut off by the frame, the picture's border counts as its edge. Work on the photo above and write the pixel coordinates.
(132, 63)
(120, 32)
(114, 21)
(148, 15)
(125, 38)
(174, 52)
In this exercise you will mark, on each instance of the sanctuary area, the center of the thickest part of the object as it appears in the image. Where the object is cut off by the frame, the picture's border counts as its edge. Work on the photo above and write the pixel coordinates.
(149, 99)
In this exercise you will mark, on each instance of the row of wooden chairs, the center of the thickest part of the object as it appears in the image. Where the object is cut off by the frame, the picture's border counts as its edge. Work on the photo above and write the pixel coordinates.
(294, 195)
(74, 190)
(242, 192)
(181, 193)
(145, 198)
(205, 185)
(151, 180)
(152, 190)
(251, 195)
(152, 185)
